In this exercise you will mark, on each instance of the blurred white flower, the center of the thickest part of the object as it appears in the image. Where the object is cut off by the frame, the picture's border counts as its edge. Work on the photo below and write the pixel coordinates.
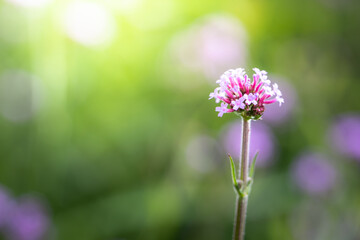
(89, 23)
(202, 153)
(21, 95)
(30, 3)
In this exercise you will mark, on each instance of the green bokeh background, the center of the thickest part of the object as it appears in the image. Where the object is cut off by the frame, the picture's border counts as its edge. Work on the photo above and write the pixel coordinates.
(106, 150)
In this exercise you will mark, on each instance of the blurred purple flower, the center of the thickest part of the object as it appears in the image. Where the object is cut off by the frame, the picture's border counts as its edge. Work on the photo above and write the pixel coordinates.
(313, 173)
(5, 206)
(276, 115)
(345, 135)
(28, 220)
(261, 140)
(210, 45)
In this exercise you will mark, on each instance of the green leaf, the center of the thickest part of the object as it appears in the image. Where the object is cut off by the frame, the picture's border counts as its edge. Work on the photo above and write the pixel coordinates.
(252, 167)
(233, 174)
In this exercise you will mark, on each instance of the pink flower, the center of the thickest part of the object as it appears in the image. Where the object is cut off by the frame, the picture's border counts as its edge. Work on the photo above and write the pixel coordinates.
(244, 95)
(239, 103)
(223, 109)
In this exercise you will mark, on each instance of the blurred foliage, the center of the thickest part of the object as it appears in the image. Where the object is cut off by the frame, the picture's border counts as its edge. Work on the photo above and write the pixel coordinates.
(107, 147)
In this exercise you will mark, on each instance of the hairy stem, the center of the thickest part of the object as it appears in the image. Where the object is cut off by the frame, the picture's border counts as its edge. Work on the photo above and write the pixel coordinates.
(241, 201)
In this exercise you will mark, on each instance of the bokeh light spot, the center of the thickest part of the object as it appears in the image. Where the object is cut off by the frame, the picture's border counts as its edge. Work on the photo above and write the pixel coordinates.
(30, 3)
(89, 23)
(206, 49)
(21, 95)
(202, 152)
(313, 173)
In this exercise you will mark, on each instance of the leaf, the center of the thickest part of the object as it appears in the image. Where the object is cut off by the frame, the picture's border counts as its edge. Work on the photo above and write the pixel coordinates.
(252, 167)
(233, 174)
(237, 188)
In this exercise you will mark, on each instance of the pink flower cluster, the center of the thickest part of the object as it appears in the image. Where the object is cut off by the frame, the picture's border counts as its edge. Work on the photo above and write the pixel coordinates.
(245, 96)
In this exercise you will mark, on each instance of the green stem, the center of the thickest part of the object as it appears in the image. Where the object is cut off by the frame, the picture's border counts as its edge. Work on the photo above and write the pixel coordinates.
(241, 201)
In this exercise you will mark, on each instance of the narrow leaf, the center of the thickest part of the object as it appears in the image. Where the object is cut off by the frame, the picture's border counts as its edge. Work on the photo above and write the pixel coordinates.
(233, 174)
(252, 168)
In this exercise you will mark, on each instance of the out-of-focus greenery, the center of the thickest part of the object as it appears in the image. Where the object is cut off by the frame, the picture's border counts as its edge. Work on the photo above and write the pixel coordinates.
(106, 149)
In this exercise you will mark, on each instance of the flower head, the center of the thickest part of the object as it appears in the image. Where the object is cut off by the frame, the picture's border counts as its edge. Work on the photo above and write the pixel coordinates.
(244, 95)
